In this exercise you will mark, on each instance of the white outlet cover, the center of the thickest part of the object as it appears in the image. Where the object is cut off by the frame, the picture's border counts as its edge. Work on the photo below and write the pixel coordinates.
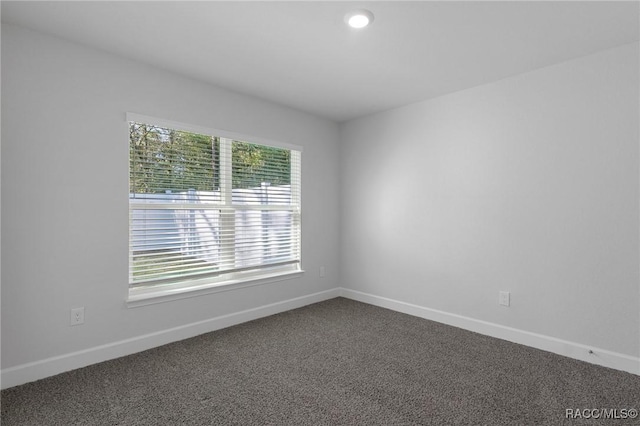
(77, 316)
(504, 298)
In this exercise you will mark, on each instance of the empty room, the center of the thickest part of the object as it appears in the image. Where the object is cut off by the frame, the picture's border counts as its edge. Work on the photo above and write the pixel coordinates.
(319, 213)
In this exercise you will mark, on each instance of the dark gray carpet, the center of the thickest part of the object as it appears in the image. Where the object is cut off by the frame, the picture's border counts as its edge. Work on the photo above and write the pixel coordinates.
(335, 362)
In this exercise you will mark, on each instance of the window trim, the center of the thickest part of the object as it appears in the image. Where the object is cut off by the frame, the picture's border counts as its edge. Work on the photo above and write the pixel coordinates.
(143, 296)
(192, 287)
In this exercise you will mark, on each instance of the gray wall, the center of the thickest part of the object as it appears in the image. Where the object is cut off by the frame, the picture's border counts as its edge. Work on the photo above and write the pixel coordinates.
(65, 193)
(529, 185)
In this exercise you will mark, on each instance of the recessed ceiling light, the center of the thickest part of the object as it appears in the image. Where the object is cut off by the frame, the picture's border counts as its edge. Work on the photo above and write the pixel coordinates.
(359, 18)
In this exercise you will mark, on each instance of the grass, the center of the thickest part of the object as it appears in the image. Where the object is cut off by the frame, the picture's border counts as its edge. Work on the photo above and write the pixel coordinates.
(149, 265)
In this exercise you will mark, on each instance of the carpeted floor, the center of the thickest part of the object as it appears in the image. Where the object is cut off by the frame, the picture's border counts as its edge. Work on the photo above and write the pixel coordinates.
(337, 362)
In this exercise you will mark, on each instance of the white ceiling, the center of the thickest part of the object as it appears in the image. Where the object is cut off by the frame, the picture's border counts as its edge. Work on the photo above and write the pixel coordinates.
(301, 54)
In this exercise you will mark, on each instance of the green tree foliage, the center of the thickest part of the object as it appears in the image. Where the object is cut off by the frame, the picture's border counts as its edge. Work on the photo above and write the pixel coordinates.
(164, 159)
(256, 164)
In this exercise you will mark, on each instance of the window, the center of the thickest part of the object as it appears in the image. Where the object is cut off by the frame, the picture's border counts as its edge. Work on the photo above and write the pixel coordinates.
(208, 210)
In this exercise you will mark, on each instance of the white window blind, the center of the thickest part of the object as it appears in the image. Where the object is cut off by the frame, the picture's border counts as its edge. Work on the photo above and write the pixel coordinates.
(202, 206)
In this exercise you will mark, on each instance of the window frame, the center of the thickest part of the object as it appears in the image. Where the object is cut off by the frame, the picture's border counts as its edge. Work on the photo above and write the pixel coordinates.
(140, 295)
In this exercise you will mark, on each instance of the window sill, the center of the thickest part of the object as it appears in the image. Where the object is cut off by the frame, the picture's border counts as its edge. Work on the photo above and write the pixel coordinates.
(150, 296)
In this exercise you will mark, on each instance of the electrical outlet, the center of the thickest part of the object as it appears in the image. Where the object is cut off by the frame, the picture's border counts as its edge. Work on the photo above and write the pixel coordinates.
(77, 316)
(321, 272)
(504, 298)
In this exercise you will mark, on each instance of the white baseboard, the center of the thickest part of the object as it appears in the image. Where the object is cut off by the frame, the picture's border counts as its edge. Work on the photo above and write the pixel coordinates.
(51, 366)
(32, 371)
(574, 350)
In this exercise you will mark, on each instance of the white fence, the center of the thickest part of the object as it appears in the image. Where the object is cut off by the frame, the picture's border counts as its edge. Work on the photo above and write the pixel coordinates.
(257, 235)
